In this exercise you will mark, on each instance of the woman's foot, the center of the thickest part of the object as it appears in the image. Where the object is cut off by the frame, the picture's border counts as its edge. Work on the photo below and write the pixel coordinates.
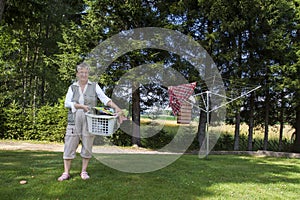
(63, 177)
(84, 175)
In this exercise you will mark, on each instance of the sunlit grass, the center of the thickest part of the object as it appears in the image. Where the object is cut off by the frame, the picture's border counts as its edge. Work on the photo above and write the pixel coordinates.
(188, 178)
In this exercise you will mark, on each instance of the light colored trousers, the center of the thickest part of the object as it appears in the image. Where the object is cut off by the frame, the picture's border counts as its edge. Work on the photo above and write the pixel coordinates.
(75, 134)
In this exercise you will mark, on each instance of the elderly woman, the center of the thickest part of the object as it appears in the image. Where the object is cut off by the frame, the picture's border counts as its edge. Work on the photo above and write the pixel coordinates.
(81, 96)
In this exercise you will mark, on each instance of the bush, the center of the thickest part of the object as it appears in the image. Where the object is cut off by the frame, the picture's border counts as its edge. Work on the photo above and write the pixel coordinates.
(120, 138)
(226, 142)
(13, 122)
(47, 123)
(51, 123)
(156, 141)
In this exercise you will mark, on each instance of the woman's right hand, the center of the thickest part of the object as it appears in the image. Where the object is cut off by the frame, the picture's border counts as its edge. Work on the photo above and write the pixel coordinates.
(84, 107)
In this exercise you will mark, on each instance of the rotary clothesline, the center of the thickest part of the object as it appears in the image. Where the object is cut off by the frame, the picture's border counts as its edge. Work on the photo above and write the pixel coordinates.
(182, 93)
(209, 93)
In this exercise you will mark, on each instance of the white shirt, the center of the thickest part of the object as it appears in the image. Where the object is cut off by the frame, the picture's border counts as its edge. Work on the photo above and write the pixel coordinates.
(100, 94)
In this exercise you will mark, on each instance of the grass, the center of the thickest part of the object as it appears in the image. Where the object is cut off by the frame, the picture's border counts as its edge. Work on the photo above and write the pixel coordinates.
(218, 177)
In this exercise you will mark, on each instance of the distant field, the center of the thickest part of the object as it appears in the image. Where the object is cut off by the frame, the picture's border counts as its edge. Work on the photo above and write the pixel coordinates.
(171, 123)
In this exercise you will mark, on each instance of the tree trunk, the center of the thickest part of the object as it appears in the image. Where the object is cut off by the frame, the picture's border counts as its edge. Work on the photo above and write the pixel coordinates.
(281, 132)
(237, 130)
(251, 123)
(296, 146)
(281, 121)
(202, 128)
(136, 115)
(2, 6)
(267, 111)
(236, 145)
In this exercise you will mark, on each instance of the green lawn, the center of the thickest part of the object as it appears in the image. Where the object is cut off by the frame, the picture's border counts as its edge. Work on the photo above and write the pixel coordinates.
(218, 177)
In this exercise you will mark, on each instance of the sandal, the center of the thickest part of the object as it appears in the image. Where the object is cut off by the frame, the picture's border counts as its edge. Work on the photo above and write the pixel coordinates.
(63, 177)
(84, 175)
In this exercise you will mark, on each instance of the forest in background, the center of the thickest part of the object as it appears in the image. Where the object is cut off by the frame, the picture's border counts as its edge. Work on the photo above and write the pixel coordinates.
(253, 42)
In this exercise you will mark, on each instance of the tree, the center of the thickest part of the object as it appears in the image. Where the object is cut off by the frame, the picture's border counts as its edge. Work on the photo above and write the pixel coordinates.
(2, 6)
(29, 34)
(252, 42)
(286, 66)
(35, 33)
(295, 78)
(252, 39)
(101, 20)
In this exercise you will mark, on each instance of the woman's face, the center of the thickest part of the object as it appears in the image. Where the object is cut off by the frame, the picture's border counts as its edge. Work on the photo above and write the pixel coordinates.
(83, 75)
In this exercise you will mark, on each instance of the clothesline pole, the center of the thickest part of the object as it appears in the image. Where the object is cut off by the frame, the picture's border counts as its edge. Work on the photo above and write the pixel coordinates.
(207, 123)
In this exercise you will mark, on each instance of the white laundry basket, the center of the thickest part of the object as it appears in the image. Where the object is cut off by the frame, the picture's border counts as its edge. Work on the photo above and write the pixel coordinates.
(104, 125)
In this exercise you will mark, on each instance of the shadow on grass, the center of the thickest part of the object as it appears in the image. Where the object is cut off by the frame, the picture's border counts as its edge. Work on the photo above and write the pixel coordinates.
(187, 178)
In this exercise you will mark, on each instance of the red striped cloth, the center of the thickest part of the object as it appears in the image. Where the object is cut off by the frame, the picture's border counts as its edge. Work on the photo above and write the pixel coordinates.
(178, 94)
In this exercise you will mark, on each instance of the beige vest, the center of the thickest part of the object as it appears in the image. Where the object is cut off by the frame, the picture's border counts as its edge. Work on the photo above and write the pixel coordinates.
(90, 98)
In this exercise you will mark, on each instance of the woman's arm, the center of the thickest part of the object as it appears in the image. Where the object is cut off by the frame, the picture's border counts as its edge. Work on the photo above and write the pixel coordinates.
(115, 107)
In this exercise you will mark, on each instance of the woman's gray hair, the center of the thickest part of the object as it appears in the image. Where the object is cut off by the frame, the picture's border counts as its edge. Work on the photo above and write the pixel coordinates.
(83, 66)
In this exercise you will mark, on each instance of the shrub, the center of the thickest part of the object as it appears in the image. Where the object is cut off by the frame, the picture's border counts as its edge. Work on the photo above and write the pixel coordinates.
(120, 138)
(156, 141)
(47, 123)
(13, 122)
(51, 122)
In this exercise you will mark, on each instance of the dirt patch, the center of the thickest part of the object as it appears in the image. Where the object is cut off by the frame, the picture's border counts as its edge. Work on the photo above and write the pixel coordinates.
(59, 147)
(19, 145)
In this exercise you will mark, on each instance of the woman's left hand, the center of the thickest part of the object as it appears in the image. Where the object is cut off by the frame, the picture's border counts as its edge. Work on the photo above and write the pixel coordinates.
(121, 116)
